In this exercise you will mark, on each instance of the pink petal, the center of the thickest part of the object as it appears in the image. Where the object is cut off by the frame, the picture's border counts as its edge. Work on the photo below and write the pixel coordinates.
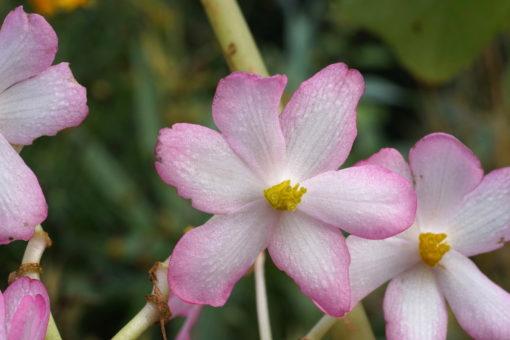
(22, 204)
(199, 162)
(373, 262)
(444, 170)
(315, 256)
(42, 105)
(480, 306)
(29, 45)
(368, 201)
(189, 311)
(3, 334)
(319, 122)
(245, 109)
(414, 307)
(209, 260)
(482, 222)
(27, 309)
(390, 159)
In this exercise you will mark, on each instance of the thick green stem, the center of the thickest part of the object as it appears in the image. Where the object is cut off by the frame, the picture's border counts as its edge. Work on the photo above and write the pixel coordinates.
(145, 318)
(234, 36)
(353, 326)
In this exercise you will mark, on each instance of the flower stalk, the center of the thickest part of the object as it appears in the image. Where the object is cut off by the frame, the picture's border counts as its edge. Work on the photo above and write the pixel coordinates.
(353, 326)
(234, 36)
(261, 296)
(30, 267)
(156, 308)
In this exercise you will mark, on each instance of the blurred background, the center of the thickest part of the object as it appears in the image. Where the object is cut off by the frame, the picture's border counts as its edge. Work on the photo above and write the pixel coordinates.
(429, 65)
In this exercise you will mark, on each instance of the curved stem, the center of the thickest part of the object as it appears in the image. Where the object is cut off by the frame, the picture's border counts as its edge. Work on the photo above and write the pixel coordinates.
(156, 308)
(145, 318)
(30, 267)
(353, 326)
(234, 36)
(261, 296)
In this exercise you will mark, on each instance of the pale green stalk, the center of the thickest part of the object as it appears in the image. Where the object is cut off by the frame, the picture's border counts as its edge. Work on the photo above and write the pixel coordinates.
(353, 326)
(32, 256)
(260, 289)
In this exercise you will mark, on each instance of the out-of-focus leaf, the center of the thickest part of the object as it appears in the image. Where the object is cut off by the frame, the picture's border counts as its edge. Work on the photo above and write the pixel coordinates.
(434, 39)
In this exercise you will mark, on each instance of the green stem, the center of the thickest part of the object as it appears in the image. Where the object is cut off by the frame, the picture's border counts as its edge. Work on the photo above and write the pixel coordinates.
(33, 254)
(261, 297)
(353, 326)
(234, 36)
(145, 318)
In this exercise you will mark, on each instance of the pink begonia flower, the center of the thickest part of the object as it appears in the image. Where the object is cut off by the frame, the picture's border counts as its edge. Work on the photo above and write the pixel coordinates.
(36, 99)
(272, 182)
(24, 310)
(461, 213)
(189, 311)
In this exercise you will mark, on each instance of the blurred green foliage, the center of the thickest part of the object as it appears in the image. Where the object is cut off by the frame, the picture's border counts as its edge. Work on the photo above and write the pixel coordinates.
(434, 39)
(148, 64)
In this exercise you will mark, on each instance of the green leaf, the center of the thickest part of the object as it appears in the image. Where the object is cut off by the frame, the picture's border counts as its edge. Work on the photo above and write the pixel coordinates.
(434, 39)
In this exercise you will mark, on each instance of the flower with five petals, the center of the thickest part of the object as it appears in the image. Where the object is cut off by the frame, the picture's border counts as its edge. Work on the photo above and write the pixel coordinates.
(460, 213)
(272, 182)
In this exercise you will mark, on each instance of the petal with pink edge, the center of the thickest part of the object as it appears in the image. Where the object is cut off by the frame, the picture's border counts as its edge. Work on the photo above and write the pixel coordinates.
(319, 122)
(201, 165)
(189, 311)
(316, 257)
(210, 259)
(480, 306)
(245, 109)
(27, 310)
(368, 201)
(482, 223)
(373, 262)
(42, 105)
(390, 159)
(29, 45)
(444, 171)
(22, 203)
(414, 308)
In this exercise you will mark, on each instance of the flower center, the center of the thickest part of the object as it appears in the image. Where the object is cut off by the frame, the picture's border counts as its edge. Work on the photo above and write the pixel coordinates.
(432, 248)
(283, 196)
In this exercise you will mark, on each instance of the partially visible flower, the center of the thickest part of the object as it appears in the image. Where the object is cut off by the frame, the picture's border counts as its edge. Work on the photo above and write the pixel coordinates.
(461, 213)
(272, 181)
(189, 311)
(24, 310)
(36, 99)
(50, 7)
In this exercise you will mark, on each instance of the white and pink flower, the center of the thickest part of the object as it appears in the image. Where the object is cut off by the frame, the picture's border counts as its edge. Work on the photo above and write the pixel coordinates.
(36, 99)
(24, 310)
(460, 213)
(272, 182)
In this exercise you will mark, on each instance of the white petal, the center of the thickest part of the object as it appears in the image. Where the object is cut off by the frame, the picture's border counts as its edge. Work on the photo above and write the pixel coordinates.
(414, 308)
(444, 171)
(481, 307)
(315, 256)
(208, 260)
(319, 122)
(482, 223)
(373, 262)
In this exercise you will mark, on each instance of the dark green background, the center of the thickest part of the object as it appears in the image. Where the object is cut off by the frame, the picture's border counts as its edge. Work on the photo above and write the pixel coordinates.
(148, 64)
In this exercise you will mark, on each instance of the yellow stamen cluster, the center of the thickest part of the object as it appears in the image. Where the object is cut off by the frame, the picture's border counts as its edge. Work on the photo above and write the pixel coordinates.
(283, 196)
(432, 248)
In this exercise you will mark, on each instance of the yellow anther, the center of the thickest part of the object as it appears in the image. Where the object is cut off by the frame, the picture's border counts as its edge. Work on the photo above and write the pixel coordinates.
(283, 196)
(432, 248)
